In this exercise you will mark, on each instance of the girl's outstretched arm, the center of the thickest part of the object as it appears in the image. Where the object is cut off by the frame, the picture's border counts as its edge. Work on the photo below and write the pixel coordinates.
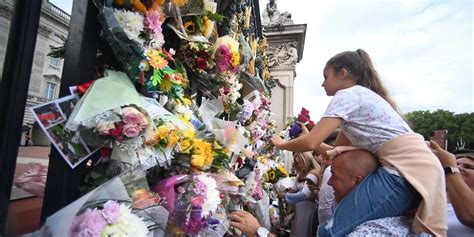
(312, 140)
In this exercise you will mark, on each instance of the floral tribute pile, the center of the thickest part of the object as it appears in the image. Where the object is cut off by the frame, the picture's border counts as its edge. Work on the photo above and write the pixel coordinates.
(183, 135)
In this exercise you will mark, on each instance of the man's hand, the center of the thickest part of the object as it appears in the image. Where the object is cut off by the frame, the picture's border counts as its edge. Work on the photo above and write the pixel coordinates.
(245, 222)
(446, 158)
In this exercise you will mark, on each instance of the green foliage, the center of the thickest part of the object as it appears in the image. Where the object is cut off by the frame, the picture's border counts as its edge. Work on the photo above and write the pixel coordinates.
(459, 126)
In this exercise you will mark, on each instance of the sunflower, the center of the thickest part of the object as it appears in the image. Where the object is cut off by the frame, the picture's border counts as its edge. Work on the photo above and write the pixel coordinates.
(189, 27)
(271, 175)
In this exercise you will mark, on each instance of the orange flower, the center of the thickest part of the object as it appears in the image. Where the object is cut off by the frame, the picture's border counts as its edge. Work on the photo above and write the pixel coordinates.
(156, 60)
(179, 3)
(119, 2)
(137, 4)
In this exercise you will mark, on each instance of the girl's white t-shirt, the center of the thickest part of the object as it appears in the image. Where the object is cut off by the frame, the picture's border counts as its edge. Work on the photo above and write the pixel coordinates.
(368, 120)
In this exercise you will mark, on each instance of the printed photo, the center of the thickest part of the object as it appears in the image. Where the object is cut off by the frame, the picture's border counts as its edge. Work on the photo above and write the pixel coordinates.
(49, 114)
(67, 106)
(71, 147)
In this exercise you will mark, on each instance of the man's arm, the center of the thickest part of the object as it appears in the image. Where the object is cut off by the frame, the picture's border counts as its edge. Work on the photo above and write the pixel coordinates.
(246, 223)
(460, 195)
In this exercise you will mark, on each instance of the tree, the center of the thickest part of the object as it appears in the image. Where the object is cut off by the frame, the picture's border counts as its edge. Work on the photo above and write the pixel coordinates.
(459, 126)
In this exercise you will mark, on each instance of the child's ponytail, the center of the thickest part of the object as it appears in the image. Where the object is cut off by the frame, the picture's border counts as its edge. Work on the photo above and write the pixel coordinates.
(360, 67)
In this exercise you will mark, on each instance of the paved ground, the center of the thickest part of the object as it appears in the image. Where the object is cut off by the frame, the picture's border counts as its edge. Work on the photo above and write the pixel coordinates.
(24, 214)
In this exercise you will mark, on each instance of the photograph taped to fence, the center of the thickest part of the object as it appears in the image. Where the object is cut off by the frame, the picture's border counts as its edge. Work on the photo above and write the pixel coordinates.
(51, 117)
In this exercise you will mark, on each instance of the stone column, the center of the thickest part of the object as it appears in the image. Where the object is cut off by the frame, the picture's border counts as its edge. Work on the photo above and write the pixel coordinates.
(285, 50)
(286, 44)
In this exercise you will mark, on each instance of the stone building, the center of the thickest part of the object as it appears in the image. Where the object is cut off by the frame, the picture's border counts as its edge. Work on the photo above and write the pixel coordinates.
(46, 71)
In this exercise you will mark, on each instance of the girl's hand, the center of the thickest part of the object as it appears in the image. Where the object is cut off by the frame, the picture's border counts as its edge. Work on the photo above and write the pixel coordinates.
(277, 141)
(304, 129)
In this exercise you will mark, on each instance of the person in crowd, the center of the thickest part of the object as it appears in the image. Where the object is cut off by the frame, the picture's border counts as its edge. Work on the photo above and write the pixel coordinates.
(410, 175)
(459, 172)
(351, 166)
(27, 139)
(304, 223)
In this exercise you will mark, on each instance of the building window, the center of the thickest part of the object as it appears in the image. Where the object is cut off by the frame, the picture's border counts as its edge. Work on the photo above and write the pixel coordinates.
(54, 62)
(49, 92)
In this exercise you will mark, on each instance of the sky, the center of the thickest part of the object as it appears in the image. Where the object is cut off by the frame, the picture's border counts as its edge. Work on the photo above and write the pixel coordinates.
(422, 49)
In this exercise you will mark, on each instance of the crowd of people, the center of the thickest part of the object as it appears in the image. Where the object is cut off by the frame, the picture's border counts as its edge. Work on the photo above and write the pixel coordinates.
(378, 178)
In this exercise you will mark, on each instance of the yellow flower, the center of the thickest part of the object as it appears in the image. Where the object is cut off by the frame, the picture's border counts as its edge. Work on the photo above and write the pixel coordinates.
(189, 27)
(198, 160)
(162, 132)
(188, 132)
(173, 138)
(207, 27)
(187, 101)
(282, 170)
(166, 85)
(235, 61)
(156, 60)
(202, 150)
(179, 3)
(271, 175)
(185, 146)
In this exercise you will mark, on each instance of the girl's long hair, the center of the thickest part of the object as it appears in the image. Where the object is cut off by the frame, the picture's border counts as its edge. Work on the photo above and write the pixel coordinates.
(360, 67)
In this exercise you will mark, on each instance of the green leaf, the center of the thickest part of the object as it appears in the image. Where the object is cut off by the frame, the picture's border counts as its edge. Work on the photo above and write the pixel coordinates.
(199, 22)
(95, 175)
(214, 16)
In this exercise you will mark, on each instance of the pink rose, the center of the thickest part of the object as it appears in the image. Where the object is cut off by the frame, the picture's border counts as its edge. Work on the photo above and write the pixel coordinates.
(131, 115)
(143, 121)
(131, 130)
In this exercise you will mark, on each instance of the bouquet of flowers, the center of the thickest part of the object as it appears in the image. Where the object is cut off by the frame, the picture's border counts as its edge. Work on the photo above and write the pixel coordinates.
(294, 126)
(197, 56)
(227, 55)
(111, 219)
(195, 200)
(130, 121)
(275, 173)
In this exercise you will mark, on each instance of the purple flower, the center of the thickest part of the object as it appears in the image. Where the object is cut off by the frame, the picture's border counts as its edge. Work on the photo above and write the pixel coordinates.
(111, 212)
(295, 130)
(195, 222)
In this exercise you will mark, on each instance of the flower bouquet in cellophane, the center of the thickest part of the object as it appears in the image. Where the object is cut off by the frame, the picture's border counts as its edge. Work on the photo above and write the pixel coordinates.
(193, 202)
